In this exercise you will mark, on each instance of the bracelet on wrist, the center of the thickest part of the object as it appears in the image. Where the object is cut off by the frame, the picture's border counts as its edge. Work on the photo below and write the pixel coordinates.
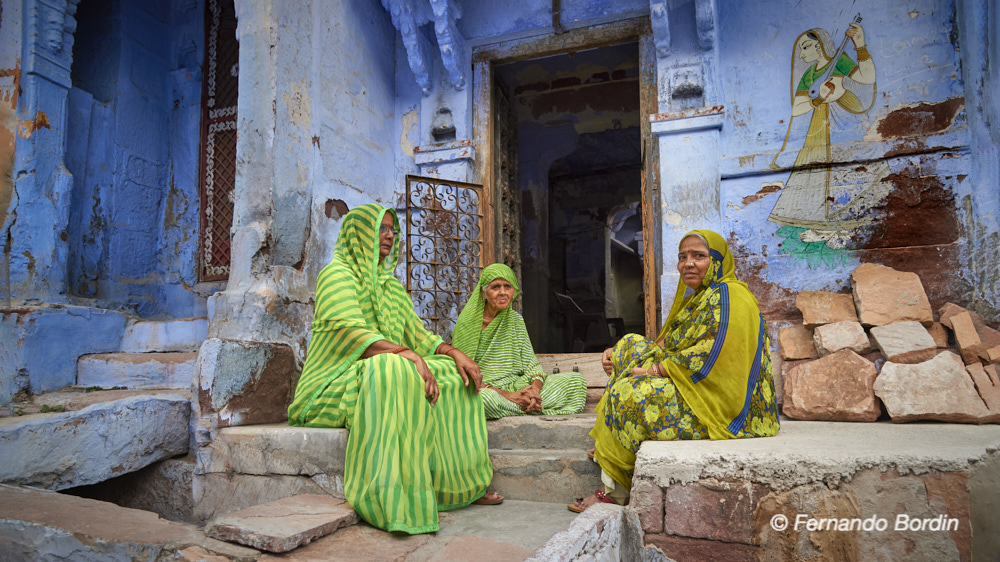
(398, 349)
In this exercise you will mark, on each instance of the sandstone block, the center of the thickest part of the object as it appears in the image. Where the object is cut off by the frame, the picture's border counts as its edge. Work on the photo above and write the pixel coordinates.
(647, 501)
(94, 444)
(939, 333)
(989, 336)
(836, 387)
(245, 383)
(991, 355)
(831, 338)
(821, 307)
(285, 524)
(966, 337)
(988, 390)
(796, 342)
(904, 342)
(883, 295)
(938, 389)
(710, 509)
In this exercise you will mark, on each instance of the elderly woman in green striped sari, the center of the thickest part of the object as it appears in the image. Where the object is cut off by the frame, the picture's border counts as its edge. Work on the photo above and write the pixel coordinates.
(494, 335)
(417, 442)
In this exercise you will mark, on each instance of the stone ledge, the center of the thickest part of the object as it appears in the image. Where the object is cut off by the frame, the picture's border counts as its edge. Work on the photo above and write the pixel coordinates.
(94, 444)
(275, 448)
(804, 452)
(696, 497)
(38, 524)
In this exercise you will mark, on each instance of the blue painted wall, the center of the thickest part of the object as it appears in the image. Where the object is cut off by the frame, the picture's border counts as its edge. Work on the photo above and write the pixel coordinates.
(917, 131)
(133, 151)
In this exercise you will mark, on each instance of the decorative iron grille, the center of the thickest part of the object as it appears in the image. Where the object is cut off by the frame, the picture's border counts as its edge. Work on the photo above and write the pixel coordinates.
(218, 139)
(443, 248)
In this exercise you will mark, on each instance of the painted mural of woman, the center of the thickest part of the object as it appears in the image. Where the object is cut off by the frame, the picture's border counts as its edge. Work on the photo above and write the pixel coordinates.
(824, 202)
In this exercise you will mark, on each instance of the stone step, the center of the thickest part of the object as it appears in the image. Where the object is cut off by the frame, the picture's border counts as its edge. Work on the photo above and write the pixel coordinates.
(43, 525)
(182, 334)
(552, 476)
(87, 446)
(541, 432)
(137, 370)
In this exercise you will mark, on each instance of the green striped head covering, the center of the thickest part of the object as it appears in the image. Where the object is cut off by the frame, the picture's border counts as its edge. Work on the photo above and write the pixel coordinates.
(358, 302)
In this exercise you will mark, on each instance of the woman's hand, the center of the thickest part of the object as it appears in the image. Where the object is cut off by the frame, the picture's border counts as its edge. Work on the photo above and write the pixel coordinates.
(534, 396)
(654, 370)
(431, 391)
(856, 34)
(467, 368)
(523, 399)
(606, 361)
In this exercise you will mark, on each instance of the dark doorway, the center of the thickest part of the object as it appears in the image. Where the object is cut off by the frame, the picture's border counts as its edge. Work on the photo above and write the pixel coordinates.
(579, 171)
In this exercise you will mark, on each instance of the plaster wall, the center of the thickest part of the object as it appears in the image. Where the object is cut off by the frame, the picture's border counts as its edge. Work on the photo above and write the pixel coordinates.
(10, 73)
(317, 136)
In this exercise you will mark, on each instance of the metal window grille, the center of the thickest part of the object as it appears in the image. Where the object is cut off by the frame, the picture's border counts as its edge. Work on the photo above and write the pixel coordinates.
(218, 139)
(443, 248)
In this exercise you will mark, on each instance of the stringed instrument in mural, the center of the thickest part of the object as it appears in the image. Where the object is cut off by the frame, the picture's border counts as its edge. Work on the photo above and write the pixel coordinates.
(832, 65)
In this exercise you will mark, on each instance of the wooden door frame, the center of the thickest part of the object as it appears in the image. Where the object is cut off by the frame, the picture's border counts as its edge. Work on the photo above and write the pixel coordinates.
(486, 56)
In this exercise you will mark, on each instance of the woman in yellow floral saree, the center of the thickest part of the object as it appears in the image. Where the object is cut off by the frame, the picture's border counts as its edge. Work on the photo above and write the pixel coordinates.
(707, 375)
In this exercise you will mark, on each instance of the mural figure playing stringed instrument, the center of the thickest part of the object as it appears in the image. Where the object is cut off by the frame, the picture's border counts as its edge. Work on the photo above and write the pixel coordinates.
(823, 201)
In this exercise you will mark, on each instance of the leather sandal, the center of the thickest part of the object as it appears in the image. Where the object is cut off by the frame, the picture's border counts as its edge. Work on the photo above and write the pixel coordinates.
(578, 506)
(496, 499)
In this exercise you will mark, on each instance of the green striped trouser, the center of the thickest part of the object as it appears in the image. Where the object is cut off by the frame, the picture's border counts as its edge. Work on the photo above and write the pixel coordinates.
(562, 393)
(407, 460)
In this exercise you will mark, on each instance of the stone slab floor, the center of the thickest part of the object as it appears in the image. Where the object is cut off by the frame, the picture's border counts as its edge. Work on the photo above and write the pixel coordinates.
(510, 531)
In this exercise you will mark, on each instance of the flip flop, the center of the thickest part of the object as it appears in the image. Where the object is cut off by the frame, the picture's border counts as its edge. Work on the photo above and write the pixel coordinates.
(484, 500)
(601, 497)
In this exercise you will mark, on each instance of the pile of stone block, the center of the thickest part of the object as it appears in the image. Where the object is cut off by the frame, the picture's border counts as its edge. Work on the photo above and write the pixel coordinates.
(882, 347)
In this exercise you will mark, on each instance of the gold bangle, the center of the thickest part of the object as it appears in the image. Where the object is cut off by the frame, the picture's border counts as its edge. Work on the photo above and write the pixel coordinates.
(863, 54)
(816, 102)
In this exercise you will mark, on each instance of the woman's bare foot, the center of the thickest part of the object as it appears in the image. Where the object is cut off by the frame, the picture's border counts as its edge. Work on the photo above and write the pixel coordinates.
(489, 498)
(590, 453)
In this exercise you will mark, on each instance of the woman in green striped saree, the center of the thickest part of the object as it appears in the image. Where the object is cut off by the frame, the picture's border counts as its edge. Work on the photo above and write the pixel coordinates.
(495, 337)
(417, 442)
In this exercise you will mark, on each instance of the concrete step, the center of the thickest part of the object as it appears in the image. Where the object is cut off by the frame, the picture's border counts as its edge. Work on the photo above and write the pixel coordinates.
(43, 525)
(100, 441)
(551, 476)
(182, 334)
(137, 370)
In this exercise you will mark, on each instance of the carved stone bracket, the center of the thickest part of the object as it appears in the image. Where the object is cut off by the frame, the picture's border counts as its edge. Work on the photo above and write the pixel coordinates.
(659, 20)
(405, 18)
(51, 25)
(455, 52)
(456, 56)
(705, 16)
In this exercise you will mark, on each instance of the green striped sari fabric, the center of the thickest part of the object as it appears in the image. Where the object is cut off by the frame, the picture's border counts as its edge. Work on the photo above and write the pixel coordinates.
(505, 355)
(406, 460)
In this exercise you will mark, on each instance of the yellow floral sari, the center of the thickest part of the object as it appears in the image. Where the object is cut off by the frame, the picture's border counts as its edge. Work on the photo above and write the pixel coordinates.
(715, 349)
